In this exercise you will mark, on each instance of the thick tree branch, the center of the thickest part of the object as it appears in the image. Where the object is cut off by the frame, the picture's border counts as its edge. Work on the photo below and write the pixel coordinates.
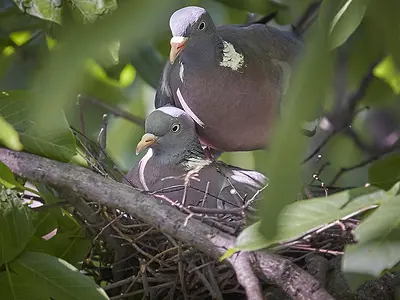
(84, 183)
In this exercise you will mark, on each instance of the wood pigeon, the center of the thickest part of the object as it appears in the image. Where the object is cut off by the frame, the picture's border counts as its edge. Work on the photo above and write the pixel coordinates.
(175, 156)
(229, 79)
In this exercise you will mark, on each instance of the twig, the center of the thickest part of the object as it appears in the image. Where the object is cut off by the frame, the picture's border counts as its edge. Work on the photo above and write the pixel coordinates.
(318, 250)
(215, 211)
(264, 20)
(318, 149)
(114, 110)
(207, 284)
(181, 273)
(359, 165)
(306, 20)
(213, 281)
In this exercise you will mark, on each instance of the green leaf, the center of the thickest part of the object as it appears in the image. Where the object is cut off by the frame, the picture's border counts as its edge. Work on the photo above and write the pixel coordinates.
(378, 247)
(57, 141)
(13, 287)
(287, 146)
(15, 227)
(44, 222)
(7, 177)
(65, 221)
(109, 55)
(8, 136)
(228, 253)
(304, 216)
(72, 247)
(52, 277)
(385, 172)
(93, 9)
(68, 246)
(387, 71)
(346, 20)
(383, 224)
(251, 239)
(43, 9)
(111, 87)
(90, 10)
(379, 93)
(21, 64)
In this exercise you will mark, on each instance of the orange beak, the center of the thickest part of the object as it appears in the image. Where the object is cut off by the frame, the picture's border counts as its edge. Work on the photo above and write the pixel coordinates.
(177, 45)
(147, 140)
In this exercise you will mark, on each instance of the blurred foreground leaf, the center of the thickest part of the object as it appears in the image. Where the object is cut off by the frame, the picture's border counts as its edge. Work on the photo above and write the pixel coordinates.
(385, 172)
(7, 177)
(287, 144)
(59, 79)
(55, 141)
(388, 72)
(45, 276)
(15, 227)
(51, 10)
(347, 18)
(300, 217)
(92, 9)
(43, 9)
(72, 246)
(8, 136)
(378, 244)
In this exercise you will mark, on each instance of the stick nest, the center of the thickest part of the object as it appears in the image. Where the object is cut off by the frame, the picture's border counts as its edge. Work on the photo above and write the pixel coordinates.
(150, 264)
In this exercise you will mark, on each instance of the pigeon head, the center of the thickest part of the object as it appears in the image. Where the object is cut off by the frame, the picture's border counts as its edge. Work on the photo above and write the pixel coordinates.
(186, 23)
(169, 130)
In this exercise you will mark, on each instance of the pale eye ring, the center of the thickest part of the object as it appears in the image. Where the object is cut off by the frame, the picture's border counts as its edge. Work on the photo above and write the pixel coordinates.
(202, 25)
(175, 127)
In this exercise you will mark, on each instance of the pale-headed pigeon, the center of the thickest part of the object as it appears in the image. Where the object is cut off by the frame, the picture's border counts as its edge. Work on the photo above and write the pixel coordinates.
(229, 79)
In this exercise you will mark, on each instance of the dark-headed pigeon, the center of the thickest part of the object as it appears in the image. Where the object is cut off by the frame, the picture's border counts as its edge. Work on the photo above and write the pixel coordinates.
(229, 79)
(175, 159)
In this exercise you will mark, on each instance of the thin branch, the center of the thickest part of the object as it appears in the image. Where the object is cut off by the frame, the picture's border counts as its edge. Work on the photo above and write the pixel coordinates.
(114, 110)
(264, 20)
(342, 116)
(211, 241)
(306, 20)
(318, 149)
(359, 165)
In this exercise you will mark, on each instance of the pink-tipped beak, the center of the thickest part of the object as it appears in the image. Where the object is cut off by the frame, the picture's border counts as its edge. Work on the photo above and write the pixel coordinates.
(147, 140)
(177, 45)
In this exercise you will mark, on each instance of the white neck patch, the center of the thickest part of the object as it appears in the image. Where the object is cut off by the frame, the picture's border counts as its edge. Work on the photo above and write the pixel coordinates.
(142, 166)
(181, 70)
(193, 163)
(231, 58)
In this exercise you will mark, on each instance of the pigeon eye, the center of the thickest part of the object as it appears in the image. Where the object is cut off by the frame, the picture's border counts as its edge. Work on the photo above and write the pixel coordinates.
(202, 25)
(175, 128)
